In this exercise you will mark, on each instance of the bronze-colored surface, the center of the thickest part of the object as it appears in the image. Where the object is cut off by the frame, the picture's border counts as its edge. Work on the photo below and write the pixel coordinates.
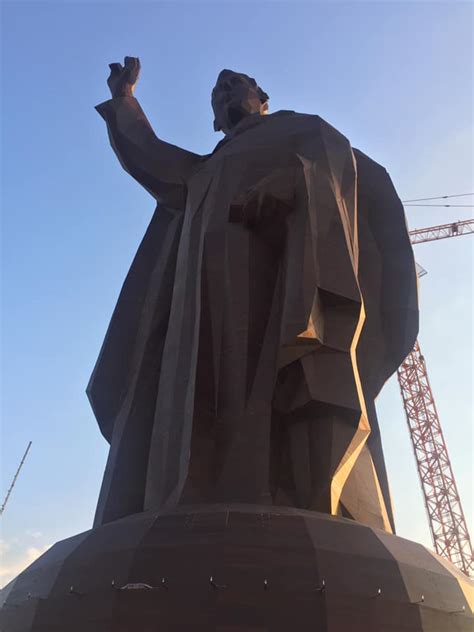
(273, 294)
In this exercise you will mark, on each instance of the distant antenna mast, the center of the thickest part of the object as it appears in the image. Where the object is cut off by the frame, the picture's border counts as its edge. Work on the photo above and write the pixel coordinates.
(2, 508)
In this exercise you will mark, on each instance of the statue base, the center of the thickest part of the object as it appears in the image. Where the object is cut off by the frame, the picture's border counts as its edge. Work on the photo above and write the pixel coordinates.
(237, 568)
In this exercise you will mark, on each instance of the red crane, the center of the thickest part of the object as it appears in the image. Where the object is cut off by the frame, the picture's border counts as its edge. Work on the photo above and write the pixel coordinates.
(454, 229)
(445, 514)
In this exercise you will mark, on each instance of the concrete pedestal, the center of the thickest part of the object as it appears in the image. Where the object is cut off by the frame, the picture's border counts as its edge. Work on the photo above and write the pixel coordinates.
(235, 568)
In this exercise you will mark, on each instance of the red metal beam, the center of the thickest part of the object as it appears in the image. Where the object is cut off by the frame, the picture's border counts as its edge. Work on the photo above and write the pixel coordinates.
(443, 505)
(454, 229)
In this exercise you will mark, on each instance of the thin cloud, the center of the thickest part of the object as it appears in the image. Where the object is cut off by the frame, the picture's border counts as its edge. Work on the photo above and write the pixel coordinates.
(32, 533)
(24, 559)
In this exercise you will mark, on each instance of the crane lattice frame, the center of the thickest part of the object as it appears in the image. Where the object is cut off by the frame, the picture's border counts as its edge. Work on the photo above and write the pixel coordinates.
(443, 505)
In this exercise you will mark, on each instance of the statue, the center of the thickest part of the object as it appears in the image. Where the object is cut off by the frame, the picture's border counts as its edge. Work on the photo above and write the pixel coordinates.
(272, 296)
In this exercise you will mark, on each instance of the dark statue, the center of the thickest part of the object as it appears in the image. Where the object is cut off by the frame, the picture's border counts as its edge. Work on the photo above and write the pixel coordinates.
(272, 296)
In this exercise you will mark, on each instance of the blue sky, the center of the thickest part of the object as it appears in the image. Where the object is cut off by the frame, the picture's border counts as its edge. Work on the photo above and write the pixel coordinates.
(396, 78)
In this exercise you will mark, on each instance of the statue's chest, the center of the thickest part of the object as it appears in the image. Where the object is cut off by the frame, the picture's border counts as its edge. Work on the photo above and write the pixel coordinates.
(240, 166)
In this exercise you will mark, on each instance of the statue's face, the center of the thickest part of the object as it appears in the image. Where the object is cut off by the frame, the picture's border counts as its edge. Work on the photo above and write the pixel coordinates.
(235, 96)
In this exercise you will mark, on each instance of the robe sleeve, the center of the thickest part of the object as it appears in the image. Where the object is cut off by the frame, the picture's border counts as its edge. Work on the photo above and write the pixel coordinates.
(158, 166)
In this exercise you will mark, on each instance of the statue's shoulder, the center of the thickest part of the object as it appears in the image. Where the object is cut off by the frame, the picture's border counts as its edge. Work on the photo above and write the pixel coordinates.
(310, 124)
(292, 118)
(366, 164)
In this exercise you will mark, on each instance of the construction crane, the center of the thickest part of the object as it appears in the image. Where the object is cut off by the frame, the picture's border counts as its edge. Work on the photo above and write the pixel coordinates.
(2, 508)
(454, 229)
(443, 505)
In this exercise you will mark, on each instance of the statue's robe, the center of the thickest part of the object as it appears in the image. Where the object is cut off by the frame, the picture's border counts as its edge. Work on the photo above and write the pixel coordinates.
(218, 305)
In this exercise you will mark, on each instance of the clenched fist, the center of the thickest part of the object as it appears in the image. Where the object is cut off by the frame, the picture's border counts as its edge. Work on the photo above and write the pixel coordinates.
(122, 79)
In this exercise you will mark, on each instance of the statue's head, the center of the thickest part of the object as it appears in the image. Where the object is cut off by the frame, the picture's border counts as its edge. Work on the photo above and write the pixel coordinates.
(235, 96)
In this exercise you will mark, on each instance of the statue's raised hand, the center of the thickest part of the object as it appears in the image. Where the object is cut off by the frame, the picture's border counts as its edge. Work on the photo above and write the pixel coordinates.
(123, 79)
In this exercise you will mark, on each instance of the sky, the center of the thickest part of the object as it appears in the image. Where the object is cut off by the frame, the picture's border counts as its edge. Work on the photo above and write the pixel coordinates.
(395, 78)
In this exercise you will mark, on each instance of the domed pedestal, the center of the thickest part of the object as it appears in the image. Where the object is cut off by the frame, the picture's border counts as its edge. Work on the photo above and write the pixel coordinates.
(233, 568)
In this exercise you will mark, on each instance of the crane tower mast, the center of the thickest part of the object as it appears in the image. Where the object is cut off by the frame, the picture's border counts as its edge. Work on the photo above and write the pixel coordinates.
(443, 505)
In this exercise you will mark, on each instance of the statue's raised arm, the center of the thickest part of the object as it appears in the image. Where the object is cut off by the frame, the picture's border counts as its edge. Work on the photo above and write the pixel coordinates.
(160, 167)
